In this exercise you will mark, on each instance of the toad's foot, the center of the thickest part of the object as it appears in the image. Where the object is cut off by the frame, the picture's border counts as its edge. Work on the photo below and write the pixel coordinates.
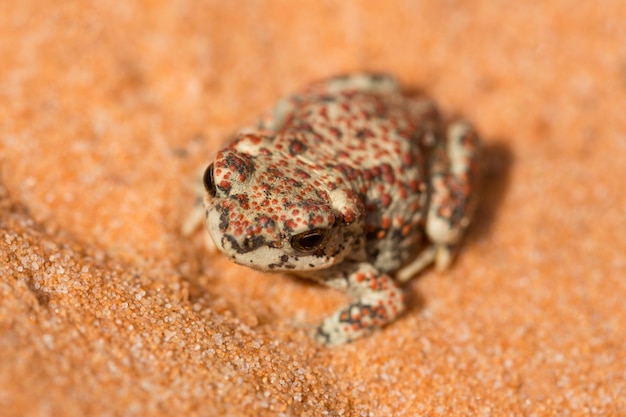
(378, 301)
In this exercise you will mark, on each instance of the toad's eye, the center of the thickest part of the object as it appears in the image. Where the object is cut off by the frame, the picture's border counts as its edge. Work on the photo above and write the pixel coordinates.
(209, 181)
(309, 241)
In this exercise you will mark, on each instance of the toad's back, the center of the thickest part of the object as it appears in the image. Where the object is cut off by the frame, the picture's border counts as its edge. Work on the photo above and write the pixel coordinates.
(376, 143)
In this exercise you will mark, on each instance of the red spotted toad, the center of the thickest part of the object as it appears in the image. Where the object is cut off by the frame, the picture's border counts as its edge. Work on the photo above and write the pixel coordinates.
(350, 183)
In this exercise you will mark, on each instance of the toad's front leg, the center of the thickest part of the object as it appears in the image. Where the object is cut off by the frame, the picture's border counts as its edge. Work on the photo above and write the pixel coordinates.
(377, 301)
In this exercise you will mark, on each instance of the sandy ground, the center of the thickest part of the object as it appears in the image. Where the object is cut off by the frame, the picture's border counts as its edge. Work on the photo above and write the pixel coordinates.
(110, 108)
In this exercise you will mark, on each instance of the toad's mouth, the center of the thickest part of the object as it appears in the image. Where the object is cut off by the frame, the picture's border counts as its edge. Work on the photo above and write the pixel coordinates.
(266, 258)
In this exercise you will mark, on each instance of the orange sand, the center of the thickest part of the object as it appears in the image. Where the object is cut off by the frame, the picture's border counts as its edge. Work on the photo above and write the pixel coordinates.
(110, 108)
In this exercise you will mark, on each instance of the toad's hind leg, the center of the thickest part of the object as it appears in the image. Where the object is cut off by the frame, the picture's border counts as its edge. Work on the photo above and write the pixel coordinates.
(274, 120)
(453, 175)
(362, 82)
